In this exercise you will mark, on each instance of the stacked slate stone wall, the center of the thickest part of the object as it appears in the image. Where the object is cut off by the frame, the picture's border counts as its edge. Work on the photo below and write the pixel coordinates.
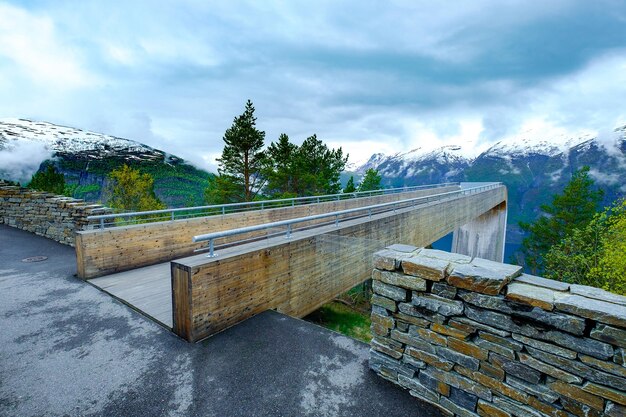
(479, 338)
(53, 216)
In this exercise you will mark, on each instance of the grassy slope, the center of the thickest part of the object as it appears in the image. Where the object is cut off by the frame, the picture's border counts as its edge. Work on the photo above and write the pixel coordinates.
(353, 321)
(343, 319)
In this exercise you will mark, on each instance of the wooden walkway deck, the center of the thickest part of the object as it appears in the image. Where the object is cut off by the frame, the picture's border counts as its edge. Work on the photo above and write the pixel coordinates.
(147, 290)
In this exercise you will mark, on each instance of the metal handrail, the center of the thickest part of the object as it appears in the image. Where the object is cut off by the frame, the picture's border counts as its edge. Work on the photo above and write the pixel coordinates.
(223, 207)
(226, 233)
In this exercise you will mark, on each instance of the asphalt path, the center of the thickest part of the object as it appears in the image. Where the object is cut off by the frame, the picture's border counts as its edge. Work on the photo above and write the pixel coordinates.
(68, 349)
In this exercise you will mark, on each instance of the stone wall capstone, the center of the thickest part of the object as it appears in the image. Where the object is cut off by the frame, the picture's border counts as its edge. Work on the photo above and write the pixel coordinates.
(480, 338)
(53, 216)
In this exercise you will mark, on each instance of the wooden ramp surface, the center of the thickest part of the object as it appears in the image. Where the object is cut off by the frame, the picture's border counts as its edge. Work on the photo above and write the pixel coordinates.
(148, 290)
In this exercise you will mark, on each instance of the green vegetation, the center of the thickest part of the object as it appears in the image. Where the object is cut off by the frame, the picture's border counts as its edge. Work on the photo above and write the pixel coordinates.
(371, 181)
(343, 319)
(319, 168)
(242, 158)
(222, 190)
(176, 184)
(281, 168)
(49, 180)
(130, 190)
(574, 243)
(573, 209)
(348, 314)
(350, 188)
(84, 191)
(284, 170)
(594, 254)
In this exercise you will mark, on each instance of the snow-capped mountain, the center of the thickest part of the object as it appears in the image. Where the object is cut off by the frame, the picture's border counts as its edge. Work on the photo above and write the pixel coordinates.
(534, 167)
(68, 140)
(449, 160)
(86, 158)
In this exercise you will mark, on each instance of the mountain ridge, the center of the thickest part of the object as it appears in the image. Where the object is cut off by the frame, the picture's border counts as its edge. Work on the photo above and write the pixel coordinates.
(86, 158)
(532, 170)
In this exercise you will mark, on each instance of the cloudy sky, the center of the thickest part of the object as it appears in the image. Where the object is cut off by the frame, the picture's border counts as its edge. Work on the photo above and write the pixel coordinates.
(371, 77)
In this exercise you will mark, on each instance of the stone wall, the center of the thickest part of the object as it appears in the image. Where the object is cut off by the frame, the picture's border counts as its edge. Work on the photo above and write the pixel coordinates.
(476, 337)
(53, 216)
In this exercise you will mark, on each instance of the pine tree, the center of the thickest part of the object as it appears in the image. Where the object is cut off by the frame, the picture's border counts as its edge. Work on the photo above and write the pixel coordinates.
(130, 190)
(318, 168)
(49, 180)
(350, 188)
(223, 189)
(308, 169)
(281, 168)
(242, 158)
(371, 181)
(573, 209)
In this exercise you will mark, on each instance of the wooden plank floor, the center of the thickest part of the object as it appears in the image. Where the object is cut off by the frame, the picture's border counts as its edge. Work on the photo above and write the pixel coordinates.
(148, 290)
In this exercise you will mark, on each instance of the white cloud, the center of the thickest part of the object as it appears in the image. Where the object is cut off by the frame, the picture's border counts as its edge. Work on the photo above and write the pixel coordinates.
(30, 43)
(604, 177)
(367, 77)
(18, 162)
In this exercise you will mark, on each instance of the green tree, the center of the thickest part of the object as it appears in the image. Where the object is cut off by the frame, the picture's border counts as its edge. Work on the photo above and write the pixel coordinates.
(309, 169)
(130, 190)
(350, 188)
(573, 209)
(223, 189)
(594, 254)
(242, 158)
(371, 181)
(281, 167)
(49, 180)
(610, 272)
(318, 168)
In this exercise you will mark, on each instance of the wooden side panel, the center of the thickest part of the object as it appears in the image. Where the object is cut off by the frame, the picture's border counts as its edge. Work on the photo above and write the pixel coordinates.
(296, 276)
(123, 248)
(181, 301)
(80, 256)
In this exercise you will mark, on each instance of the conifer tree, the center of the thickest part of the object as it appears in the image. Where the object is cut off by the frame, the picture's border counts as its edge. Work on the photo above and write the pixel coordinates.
(281, 168)
(350, 188)
(371, 181)
(318, 167)
(223, 189)
(573, 209)
(242, 158)
(49, 180)
(309, 169)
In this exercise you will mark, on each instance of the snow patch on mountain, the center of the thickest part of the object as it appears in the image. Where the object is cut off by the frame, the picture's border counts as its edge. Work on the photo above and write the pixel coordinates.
(62, 139)
(25, 144)
(526, 144)
(522, 145)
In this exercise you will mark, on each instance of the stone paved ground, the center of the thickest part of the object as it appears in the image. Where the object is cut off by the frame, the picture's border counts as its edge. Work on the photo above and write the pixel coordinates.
(68, 349)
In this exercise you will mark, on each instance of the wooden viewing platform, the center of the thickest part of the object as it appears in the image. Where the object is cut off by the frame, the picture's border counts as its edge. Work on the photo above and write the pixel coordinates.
(293, 276)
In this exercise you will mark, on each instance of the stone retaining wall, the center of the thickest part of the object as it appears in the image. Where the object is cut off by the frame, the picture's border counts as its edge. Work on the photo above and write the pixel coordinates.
(479, 338)
(53, 216)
